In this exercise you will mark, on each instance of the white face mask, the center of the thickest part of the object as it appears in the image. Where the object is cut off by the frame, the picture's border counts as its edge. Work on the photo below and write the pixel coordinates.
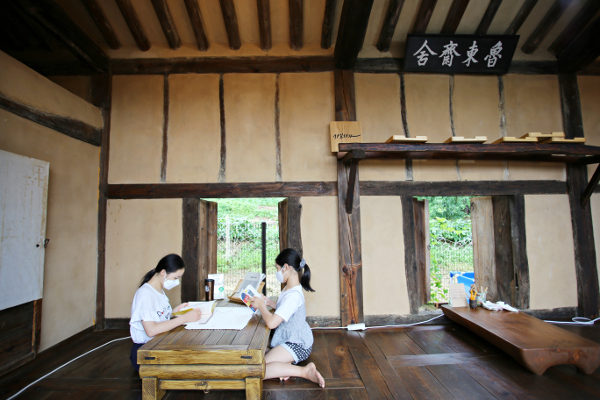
(279, 275)
(170, 284)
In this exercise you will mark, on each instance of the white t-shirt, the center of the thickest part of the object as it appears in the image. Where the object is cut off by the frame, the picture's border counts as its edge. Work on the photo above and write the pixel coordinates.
(148, 305)
(289, 301)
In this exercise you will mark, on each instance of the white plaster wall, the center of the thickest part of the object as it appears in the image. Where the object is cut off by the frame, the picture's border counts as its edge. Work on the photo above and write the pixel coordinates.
(138, 234)
(320, 243)
(550, 251)
(383, 271)
(26, 86)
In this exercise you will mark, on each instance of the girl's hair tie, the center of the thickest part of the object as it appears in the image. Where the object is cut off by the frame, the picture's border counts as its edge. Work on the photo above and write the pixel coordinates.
(302, 263)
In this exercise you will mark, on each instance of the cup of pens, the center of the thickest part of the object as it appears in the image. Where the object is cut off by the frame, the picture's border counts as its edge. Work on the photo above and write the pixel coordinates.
(473, 297)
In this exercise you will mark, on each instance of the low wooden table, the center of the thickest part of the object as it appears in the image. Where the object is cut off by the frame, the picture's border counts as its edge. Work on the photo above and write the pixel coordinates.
(205, 359)
(535, 344)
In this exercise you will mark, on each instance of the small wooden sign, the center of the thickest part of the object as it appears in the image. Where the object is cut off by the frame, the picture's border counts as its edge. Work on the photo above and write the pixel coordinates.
(344, 132)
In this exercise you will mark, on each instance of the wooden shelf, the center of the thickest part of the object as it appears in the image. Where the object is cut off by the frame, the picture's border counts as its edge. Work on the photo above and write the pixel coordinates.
(352, 153)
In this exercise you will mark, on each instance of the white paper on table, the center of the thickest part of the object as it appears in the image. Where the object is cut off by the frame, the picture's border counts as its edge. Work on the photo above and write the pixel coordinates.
(235, 318)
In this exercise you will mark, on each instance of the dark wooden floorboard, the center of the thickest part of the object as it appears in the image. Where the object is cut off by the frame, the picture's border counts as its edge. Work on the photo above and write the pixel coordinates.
(319, 355)
(342, 365)
(421, 383)
(458, 383)
(425, 362)
(428, 341)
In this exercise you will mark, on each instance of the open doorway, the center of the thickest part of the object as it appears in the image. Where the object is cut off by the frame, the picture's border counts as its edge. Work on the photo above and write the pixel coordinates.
(447, 237)
(240, 240)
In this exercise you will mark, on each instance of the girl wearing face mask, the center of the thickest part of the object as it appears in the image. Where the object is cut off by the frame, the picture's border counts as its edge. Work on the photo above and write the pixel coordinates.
(151, 311)
(293, 339)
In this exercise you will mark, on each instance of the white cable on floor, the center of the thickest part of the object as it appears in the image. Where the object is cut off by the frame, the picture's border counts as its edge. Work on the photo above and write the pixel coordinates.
(380, 326)
(576, 321)
(50, 373)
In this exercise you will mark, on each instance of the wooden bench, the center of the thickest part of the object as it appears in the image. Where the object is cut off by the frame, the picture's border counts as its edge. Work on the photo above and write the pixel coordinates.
(535, 344)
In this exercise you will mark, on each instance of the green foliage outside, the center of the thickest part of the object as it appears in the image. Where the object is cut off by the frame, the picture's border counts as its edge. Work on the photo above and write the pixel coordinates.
(260, 209)
(450, 241)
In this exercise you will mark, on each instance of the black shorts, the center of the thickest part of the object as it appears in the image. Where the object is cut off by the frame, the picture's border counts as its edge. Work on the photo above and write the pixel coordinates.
(297, 351)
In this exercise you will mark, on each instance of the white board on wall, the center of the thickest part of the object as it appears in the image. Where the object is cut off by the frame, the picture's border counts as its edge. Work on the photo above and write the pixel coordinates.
(23, 204)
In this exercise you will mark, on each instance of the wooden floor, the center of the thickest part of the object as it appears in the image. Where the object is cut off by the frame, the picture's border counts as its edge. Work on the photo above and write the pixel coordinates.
(426, 362)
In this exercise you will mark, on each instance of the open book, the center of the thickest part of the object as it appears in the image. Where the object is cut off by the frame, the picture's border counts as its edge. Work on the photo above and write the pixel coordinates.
(207, 308)
(246, 294)
(251, 278)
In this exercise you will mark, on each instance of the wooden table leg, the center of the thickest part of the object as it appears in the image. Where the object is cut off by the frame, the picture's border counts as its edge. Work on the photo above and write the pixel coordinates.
(253, 388)
(150, 390)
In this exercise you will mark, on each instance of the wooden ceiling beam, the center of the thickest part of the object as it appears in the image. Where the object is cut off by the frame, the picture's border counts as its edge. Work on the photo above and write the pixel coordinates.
(583, 50)
(54, 19)
(327, 29)
(583, 17)
(423, 16)
(352, 31)
(455, 14)
(488, 17)
(195, 15)
(521, 16)
(27, 32)
(231, 24)
(540, 32)
(390, 21)
(134, 24)
(103, 24)
(264, 24)
(296, 24)
(167, 24)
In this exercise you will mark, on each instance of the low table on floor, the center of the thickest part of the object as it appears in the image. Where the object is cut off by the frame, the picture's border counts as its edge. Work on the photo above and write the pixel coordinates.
(535, 344)
(205, 359)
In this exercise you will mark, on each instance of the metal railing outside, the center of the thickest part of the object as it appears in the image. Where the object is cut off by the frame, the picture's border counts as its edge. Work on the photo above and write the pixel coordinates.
(239, 251)
(448, 256)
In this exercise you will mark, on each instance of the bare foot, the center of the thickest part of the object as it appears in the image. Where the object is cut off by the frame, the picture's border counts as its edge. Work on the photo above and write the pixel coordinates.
(284, 378)
(313, 375)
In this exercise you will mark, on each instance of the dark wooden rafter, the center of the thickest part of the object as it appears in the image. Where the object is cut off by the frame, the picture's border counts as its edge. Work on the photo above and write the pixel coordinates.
(488, 17)
(583, 17)
(19, 27)
(220, 190)
(390, 21)
(218, 65)
(351, 33)
(544, 27)
(134, 24)
(296, 9)
(231, 24)
(423, 16)
(521, 16)
(53, 18)
(193, 10)
(71, 127)
(167, 24)
(327, 28)
(264, 24)
(103, 24)
(455, 14)
(583, 50)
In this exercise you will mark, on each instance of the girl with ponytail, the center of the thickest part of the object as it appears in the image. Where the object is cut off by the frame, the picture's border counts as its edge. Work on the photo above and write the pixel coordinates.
(151, 311)
(293, 339)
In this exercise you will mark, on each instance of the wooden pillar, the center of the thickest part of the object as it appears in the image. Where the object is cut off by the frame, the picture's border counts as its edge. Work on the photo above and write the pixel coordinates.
(290, 234)
(351, 292)
(505, 272)
(586, 267)
(519, 251)
(190, 250)
(101, 97)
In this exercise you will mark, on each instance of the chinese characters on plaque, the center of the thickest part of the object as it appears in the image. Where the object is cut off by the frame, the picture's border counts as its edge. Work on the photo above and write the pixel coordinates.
(460, 54)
